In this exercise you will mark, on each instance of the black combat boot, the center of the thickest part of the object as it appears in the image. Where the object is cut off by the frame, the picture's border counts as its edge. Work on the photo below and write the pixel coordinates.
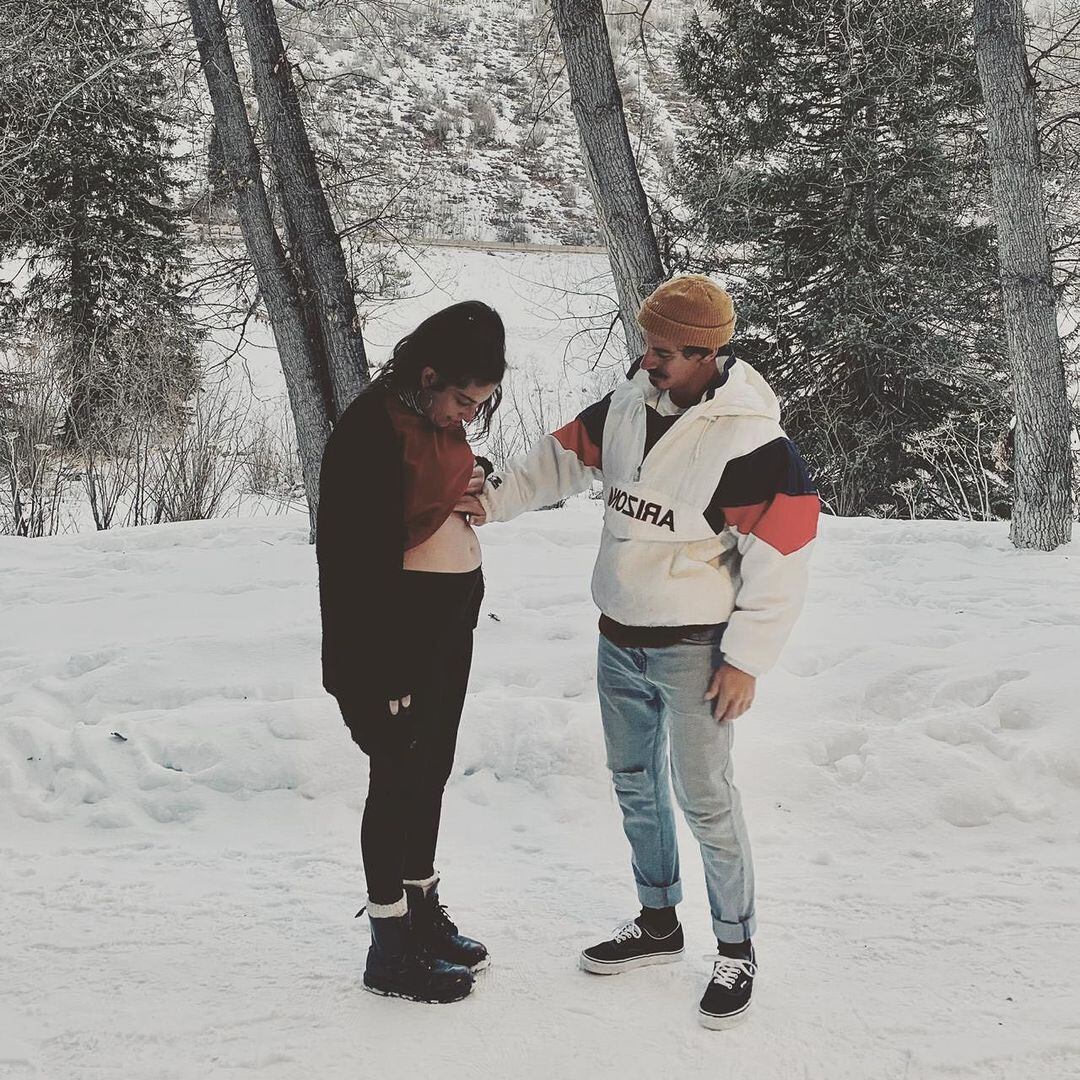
(435, 931)
(397, 967)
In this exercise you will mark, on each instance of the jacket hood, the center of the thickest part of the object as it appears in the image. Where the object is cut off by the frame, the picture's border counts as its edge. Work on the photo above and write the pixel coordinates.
(740, 391)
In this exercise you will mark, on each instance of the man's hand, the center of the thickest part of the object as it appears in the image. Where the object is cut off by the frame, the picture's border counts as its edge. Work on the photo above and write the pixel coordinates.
(400, 703)
(733, 690)
(471, 506)
(476, 481)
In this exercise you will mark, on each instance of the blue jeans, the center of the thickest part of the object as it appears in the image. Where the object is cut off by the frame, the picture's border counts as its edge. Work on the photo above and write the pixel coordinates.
(650, 698)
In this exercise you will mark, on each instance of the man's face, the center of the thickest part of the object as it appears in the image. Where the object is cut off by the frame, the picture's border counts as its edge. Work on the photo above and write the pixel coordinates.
(670, 369)
(453, 406)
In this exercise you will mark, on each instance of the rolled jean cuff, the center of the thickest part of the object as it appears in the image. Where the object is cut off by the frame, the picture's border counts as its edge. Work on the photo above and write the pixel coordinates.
(658, 896)
(734, 933)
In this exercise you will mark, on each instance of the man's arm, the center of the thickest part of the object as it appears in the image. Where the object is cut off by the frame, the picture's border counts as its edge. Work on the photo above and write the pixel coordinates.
(768, 498)
(561, 464)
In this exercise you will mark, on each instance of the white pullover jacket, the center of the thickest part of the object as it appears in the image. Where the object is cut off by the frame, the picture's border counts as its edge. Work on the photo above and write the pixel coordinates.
(709, 514)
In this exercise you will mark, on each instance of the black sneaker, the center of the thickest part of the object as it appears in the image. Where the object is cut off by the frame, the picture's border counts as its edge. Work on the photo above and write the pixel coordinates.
(727, 997)
(632, 946)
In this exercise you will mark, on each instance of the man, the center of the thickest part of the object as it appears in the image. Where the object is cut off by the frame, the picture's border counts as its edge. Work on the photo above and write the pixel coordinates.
(708, 523)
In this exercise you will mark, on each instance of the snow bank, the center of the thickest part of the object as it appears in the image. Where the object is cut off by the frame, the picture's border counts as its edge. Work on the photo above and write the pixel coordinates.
(147, 672)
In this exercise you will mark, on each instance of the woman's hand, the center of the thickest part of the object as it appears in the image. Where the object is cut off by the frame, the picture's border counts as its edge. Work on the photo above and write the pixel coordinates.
(398, 704)
(476, 481)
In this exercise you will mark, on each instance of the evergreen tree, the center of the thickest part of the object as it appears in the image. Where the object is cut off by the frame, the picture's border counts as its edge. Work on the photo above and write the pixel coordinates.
(94, 214)
(837, 176)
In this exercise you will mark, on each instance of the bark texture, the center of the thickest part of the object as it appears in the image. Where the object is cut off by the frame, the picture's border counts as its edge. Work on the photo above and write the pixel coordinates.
(609, 159)
(301, 356)
(315, 247)
(1042, 486)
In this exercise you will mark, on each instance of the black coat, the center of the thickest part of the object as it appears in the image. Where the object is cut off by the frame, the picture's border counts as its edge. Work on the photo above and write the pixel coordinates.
(360, 545)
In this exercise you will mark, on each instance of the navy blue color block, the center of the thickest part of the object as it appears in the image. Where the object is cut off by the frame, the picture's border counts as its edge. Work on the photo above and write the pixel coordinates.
(774, 469)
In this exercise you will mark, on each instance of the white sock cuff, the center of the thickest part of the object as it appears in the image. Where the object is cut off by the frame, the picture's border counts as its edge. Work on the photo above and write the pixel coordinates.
(389, 911)
(427, 884)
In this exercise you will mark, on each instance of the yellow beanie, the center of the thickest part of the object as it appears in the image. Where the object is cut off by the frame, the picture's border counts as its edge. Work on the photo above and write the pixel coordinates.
(689, 310)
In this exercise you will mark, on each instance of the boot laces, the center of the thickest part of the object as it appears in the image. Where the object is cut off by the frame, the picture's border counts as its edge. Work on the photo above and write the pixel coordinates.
(441, 921)
(625, 932)
(727, 969)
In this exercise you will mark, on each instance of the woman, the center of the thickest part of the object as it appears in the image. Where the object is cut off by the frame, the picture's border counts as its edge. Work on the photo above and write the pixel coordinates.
(400, 587)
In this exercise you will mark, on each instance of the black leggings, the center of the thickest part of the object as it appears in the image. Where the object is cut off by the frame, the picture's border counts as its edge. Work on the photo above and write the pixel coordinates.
(411, 754)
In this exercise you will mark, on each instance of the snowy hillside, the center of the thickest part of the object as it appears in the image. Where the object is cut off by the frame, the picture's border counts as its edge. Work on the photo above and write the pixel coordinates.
(179, 808)
(453, 118)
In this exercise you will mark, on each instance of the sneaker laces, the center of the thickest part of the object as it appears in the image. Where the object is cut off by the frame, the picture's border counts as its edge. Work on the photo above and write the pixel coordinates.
(625, 932)
(727, 969)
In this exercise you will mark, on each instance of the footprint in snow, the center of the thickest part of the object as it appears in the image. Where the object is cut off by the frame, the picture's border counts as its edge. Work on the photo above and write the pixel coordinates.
(967, 731)
(831, 749)
(977, 690)
(905, 693)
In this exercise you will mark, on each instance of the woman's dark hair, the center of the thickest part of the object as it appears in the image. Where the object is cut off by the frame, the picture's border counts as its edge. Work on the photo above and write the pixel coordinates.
(464, 343)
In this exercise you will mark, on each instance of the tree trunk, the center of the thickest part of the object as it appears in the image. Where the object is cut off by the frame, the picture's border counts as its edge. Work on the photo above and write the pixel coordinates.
(217, 184)
(82, 338)
(317, 247)
(1042, 486)
(609, 159)
(301, 357)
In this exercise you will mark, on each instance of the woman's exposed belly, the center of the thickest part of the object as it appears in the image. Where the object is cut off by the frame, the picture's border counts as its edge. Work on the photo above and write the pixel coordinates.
(452, 549)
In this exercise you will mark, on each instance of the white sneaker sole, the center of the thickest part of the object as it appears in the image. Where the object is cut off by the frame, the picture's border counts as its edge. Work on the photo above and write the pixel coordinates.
(614, 967)
(722, 1023)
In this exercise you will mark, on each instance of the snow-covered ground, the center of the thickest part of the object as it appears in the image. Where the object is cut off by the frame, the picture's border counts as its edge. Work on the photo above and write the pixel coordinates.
(178, 902)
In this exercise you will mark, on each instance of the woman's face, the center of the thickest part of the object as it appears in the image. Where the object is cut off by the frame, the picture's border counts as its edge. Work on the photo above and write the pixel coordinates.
(452, 406)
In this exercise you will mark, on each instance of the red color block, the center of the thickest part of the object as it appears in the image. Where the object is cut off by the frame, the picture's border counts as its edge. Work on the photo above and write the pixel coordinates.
(575, 438)
(786, 522)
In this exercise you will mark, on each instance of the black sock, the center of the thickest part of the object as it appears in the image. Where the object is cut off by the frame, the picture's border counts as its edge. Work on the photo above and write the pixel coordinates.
(739, 951)
(659, 921)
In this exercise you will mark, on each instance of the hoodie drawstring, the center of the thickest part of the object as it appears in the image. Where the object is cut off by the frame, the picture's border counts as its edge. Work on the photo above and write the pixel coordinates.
(705, 428)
